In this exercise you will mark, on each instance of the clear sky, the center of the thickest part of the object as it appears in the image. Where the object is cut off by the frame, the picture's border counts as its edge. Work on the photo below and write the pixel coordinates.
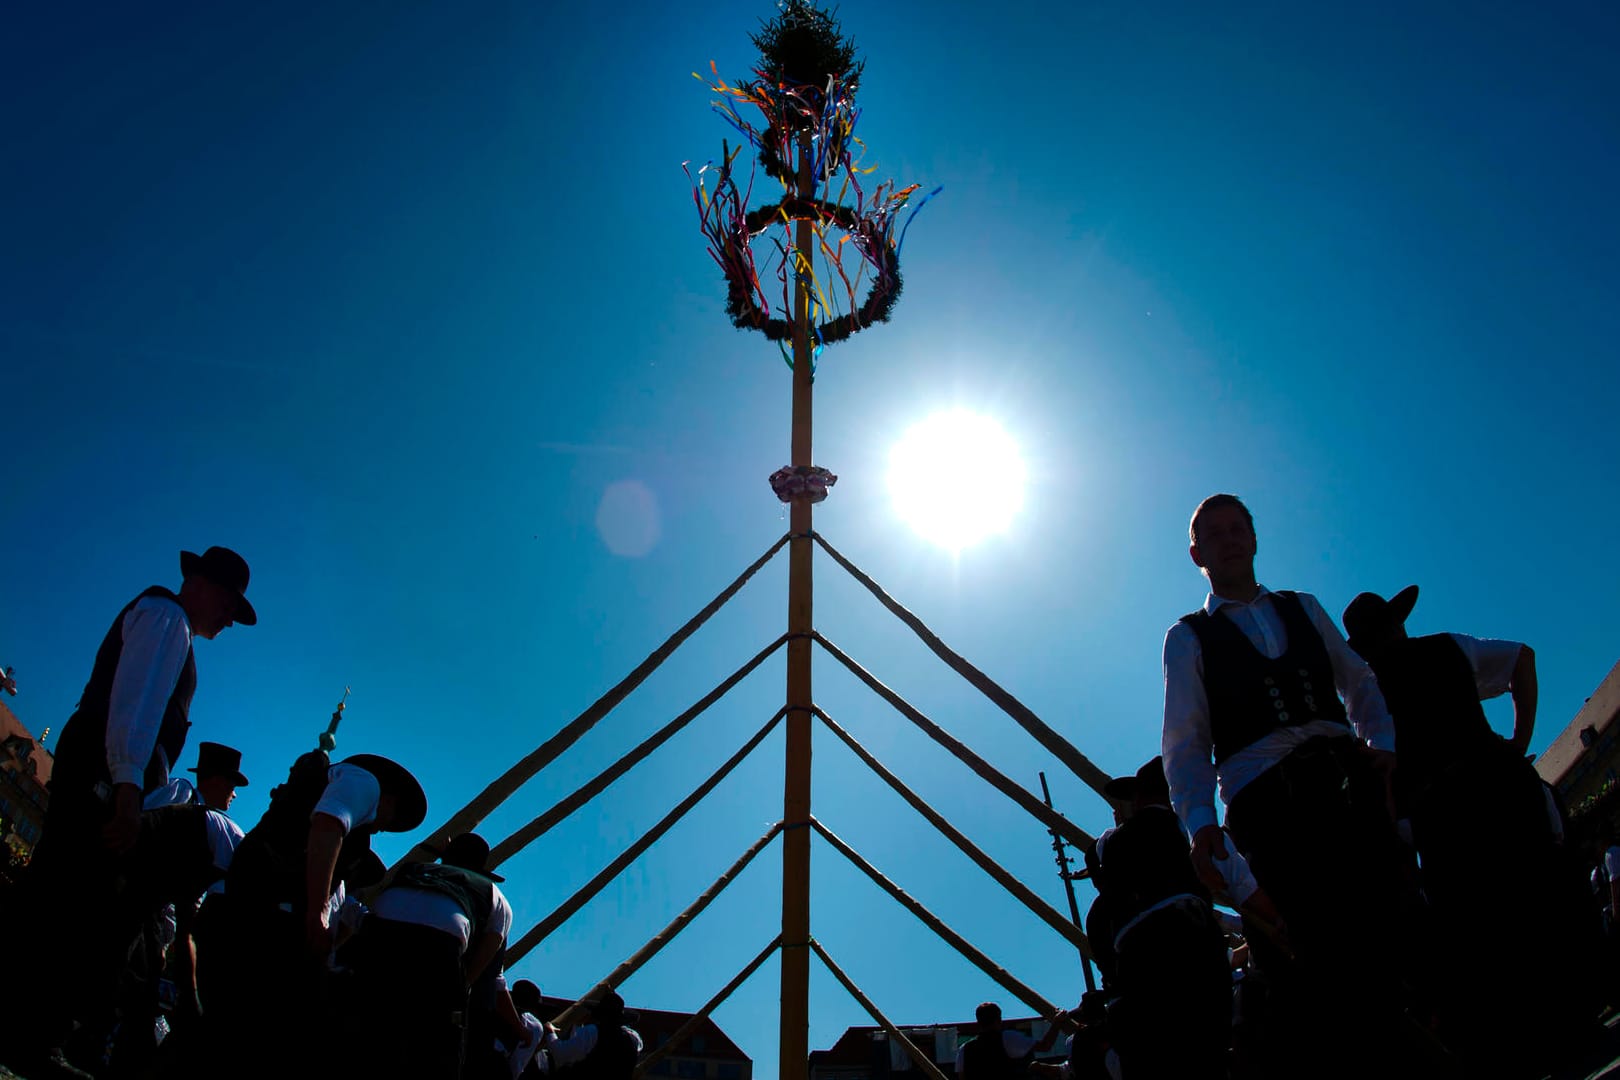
(396, 299)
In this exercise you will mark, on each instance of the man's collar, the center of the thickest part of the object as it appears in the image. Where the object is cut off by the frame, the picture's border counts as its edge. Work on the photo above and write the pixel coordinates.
(1213, 603)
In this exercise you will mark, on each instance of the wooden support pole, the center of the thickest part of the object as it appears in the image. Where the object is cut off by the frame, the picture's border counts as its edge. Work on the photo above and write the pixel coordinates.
(933, 922)
(589, 790)
(997, 779)
(794, 1060)
(468, 817)
(1042, 910)
(566, 910)
(920, 1059)
(685, 1030)
(640, 957)
(1056, 744)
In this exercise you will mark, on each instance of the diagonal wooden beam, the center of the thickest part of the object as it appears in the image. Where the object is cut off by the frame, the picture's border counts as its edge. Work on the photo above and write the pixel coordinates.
(541, 930)
(687, 1029)
(920, 1059)
(1044, 911)
(499, 790)
(937, 925)
(1056, 744)
(537, 828)
(1000, 781)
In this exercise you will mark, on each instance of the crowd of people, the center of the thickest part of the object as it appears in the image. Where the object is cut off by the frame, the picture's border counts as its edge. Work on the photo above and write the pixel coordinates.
(1388, 892)
(1393, 874)
(160, 939)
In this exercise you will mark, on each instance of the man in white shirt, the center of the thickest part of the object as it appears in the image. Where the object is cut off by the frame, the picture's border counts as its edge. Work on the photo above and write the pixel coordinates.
(432, 934)
(264, 970)
(997, 1052)
(119, 745)
(1252, 707)
(605, 1047)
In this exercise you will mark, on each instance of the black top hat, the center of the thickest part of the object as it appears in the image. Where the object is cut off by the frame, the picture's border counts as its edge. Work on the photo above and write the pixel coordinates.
(609, 1007)
(1369, 615)
(217, 759)
(226, 568)
(470, 852)
(1121, 788)
(410, 801)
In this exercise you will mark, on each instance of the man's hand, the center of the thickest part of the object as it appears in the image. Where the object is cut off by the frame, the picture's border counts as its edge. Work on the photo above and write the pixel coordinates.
(317, 935)
(1209, 844)
(119, 834)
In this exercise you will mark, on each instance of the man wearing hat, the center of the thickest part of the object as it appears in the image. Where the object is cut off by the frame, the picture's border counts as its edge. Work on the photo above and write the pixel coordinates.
(434, 935)
(119, 745)
(263, 979)
(604, 1047)
(1252, 708)
(1174, 983)
(1475, 804)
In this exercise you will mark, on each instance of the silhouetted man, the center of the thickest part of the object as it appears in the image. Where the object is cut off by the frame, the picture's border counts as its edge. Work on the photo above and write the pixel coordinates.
(122, 740)
(1252, 704)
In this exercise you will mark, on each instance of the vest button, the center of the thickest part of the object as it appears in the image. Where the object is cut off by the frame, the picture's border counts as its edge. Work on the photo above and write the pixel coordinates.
(1283, 716)
(1304, 674)
(1310, 702)
(1270, 681)
(1278, 704)
(1307, 686)
(1276, 692)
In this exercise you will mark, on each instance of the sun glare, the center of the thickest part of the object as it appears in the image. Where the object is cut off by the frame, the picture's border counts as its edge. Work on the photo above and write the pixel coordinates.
(956, 478)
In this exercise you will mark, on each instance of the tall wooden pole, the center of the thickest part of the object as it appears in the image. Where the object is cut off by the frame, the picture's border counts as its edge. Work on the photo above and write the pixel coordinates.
(795, 1032)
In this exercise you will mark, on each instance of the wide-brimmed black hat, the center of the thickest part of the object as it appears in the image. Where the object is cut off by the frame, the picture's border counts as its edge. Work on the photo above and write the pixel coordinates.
(1369, 615)
(217, 759)
(410, 801)
(226, 568)
(1149, 779)
(470, 852)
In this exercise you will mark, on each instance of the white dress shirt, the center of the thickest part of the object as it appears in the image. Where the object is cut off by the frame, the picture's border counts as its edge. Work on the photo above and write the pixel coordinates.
(157, 638)
(438, 911)
(580, 1042)
(1493, 661)
(1188, 744)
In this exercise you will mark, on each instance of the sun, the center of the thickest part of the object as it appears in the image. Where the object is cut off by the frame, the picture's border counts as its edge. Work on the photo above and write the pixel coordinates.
(956, 478)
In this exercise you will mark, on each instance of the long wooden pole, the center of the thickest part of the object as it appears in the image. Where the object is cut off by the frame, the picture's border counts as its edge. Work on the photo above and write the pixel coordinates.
(502, 787)
(937, 925)
(795, 1018)
(1026, 896)
(923, 1062)
(1056, 744)
(694, 1021)
(638, 960)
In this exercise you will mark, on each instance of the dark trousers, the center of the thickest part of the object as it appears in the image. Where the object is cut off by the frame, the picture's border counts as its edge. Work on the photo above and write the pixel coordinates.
(1317, 834)
(1514, 931)
(410, 1001)
(1173, 1019)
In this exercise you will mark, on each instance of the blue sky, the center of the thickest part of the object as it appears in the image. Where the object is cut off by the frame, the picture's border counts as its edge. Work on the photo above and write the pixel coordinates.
(390, 298)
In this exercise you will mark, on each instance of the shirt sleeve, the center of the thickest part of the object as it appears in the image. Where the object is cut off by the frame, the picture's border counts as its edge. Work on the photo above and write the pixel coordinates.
(1357, 684)
(351, 796)
(1611, 863)
(1187, 744)
(156, 641)
(500, 917)
(1493, 661)
(580, 1041)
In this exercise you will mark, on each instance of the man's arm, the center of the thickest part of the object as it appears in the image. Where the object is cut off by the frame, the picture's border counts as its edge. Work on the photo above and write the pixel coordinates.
(479, 955)
(1502, 667)
(1356, 683)
(1189, 750)
(325, 838)
(1524, 690)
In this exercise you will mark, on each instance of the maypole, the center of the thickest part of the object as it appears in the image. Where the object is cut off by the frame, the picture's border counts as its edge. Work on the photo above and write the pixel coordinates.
(804, 89)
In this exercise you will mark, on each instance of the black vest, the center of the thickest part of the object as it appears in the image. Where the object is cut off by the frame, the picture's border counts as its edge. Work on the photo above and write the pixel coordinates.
(473, 893)
(985, 1058)
(81, 751)
(1433, 697)
(1251, 696)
